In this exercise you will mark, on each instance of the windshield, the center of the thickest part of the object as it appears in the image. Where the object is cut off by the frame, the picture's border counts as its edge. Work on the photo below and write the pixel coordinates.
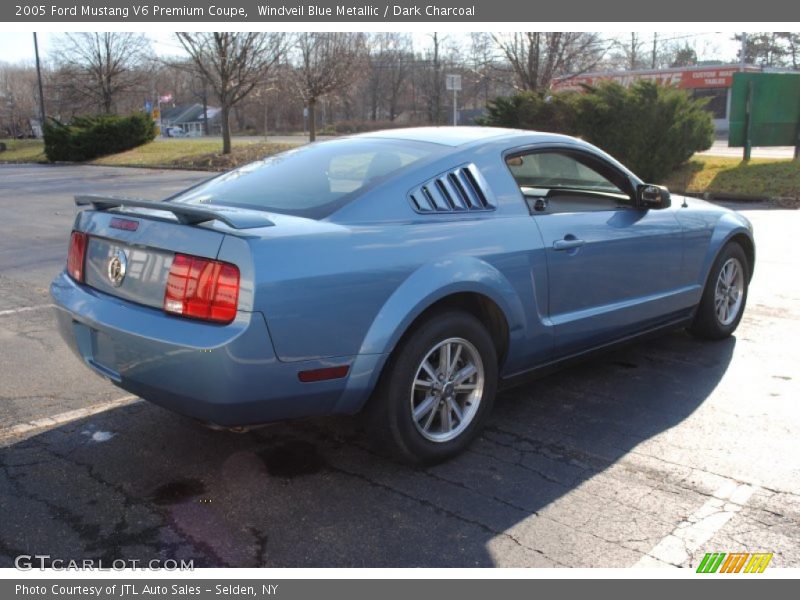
(313, 180)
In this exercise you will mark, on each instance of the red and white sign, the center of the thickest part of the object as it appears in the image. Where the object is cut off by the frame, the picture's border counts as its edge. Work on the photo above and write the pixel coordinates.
(716, 77)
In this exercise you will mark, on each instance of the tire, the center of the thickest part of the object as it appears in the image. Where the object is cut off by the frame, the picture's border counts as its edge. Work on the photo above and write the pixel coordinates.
(724, 296)
(436, 433)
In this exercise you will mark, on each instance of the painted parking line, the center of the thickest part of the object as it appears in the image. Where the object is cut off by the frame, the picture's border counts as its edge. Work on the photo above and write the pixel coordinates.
(14, 311)
(690, 534)
(65, 417)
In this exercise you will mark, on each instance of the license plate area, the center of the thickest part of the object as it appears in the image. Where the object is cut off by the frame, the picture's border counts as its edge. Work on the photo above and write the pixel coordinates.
(134, 273)
(97, 349)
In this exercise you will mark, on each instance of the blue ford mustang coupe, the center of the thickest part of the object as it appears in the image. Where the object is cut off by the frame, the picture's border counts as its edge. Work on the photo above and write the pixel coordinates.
(402, 274)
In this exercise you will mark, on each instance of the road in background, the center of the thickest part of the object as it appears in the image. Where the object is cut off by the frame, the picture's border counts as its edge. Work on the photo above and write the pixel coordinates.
(649, 456)
(720, 148)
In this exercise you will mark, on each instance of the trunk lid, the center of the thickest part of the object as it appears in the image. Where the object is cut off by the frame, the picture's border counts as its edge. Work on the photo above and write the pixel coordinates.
(132, 243)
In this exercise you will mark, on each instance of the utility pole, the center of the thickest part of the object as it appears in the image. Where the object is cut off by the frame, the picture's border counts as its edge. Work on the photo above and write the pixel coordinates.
(655, 45)
(743, 52)
(39, 78)
(748, 122)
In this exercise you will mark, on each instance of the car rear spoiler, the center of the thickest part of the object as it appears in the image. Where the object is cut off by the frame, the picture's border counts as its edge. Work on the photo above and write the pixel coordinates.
(185, 213)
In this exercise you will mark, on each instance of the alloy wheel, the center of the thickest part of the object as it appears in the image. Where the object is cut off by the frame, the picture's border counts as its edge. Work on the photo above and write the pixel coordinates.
(729, 291)
(447, 390)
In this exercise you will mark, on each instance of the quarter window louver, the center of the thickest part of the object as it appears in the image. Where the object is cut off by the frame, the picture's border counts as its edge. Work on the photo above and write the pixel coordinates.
(461, 189)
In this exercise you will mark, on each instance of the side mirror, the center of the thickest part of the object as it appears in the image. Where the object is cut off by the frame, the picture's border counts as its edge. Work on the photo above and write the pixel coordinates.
(652, 196)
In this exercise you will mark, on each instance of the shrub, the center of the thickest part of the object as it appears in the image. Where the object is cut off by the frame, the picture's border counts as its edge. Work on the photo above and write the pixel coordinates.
(85, 138)
(651, 128)
(359, 126)
(530, 110)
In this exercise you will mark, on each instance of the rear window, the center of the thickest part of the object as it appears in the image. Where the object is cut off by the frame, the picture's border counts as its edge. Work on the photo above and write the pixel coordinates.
(311, 181)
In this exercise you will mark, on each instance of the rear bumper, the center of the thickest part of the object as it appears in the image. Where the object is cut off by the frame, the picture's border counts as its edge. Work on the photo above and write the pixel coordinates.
(227, 375)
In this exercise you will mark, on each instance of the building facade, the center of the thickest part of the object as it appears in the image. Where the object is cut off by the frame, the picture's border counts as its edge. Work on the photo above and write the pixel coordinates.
(191, 119)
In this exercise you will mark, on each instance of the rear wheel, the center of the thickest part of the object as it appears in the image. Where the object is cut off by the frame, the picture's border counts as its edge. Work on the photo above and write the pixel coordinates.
(724, 297)
(436, 391)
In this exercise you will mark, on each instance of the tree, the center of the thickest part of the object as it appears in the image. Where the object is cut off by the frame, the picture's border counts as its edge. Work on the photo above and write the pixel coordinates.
(791, 43)
(326, 63)
(233, 64)
(648, 51)
(536, 58)
(487, 74)
(103, 65)
(433, 83)
(763, 49)
(389, 61)
(685, 56)
(18, 94)
(481, 63)
(633, 52)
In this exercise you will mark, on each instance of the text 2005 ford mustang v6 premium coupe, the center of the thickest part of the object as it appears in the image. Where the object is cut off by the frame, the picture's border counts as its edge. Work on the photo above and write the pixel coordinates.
(401, 274)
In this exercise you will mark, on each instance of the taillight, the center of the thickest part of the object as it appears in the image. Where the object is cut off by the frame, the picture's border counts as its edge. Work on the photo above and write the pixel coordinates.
(76, 257)
(202, 289)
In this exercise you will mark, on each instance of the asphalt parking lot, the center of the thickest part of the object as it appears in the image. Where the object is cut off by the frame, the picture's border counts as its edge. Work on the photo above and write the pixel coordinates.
(651, 455)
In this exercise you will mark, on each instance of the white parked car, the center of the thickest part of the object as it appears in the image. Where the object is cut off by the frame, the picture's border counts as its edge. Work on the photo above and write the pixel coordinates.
(174, 132)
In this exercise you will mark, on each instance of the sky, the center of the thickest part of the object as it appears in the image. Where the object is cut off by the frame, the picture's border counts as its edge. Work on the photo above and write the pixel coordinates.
(17, 47)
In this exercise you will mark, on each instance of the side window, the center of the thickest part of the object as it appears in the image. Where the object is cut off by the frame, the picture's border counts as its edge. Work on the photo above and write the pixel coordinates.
(555, 182)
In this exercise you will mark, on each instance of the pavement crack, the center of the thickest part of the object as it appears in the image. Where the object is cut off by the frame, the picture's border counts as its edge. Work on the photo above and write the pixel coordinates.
(443, 511)
(261, 545)
(553, 451)
(524, 466)
(91, 533)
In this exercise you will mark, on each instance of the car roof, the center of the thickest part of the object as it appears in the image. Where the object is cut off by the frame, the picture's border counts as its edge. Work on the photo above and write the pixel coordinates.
(449, 136)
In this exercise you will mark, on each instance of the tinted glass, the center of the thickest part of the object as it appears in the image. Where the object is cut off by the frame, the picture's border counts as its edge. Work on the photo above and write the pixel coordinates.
(311, 181)
(554, 170)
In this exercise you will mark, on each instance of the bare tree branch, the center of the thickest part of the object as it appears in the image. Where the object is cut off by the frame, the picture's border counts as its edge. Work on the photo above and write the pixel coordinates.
(233, 64)
(326, 63)
(104, 65)
(536, 58)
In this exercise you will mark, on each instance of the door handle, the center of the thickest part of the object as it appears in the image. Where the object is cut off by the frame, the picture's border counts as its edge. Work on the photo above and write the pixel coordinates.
(568, 243)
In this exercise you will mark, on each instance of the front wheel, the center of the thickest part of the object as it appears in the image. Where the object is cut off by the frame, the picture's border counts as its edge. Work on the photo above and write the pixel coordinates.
(436, 391)
(724, 297)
